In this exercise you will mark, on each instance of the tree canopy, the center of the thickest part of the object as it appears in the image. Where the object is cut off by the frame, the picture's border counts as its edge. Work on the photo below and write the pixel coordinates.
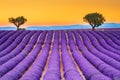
(94, 19)
(17, 21)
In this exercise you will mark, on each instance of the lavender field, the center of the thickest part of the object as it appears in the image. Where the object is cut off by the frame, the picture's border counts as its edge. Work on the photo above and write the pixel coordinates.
(60, 55)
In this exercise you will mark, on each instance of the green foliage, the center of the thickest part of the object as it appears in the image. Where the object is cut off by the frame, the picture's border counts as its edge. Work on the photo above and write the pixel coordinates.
(17, 21)
(21, 29)
(94, 19)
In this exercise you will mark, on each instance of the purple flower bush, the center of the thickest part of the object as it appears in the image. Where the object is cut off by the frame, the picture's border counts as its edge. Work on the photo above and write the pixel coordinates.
(41, 55)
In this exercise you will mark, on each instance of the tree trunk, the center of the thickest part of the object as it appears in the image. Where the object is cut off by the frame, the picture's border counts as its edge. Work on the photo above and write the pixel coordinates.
(93, 28)
(17, 28)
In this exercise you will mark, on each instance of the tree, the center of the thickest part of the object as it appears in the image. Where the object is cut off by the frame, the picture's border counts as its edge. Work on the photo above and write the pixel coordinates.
(94, 19)
(17, 21)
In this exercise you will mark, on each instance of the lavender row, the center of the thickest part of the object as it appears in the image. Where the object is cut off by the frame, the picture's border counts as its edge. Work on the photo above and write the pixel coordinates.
(20, 69)
(12, 50)
(101, 49)
(105, 55)
(13, 45)
(102, 66)
(7, 36)
(37, 67)
(109, 41)
(90, 72)
(116, 34)
(104, 45)
(113, 38)
(53, 70)
(5, 41)
(20, 47)
(105, 58)
(70, 70)
(9, 65)
(3, 33)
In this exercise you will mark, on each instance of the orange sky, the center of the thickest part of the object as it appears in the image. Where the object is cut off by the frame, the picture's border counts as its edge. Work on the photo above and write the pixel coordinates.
(57, 12)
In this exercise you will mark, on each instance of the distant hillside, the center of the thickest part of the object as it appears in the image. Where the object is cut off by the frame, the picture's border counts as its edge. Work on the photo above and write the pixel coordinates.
(8, 28)
(106, 25)
(77, 26)
(110, 25)
(57, 27)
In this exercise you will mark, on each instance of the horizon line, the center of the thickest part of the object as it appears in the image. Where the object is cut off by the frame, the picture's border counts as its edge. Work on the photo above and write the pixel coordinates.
(25, 25)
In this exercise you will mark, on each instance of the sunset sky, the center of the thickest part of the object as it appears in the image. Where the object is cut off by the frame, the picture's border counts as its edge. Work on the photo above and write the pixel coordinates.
(57, 12)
